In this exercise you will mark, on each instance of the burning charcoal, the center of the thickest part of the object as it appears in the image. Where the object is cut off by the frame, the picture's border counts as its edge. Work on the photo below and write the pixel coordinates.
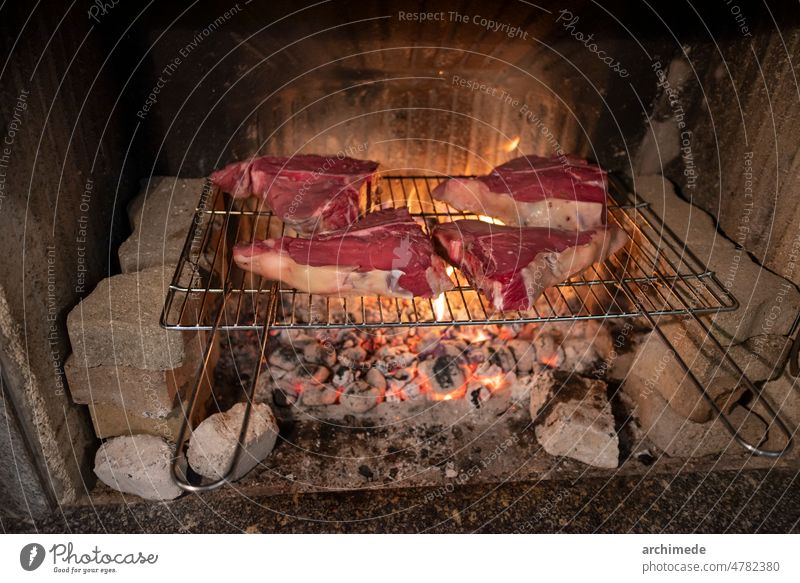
(319, 374)
(395, 385)
(352, 357)
(391, 358)
(376, 379)
(548, 349)
(444, 377)
(360, 397)
(285, 357)
(524, 353)
(585, 344)
(294, 338)
(317, 395)
(521, 388)
(393, 396)
(502, 357)
(318, 353)
(428, 340)
(477, 353)
(477, 394)
(342, 377)
(412, 389)
(455, 349)
(573, 418)
(350, 340)
(281, 397)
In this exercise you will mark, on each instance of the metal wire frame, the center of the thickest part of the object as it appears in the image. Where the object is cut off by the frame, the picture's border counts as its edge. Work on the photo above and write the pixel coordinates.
(657, 276)
(655, 265)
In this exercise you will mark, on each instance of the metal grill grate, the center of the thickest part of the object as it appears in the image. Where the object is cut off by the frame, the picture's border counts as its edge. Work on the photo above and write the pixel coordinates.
(656, 268)
(654, 275)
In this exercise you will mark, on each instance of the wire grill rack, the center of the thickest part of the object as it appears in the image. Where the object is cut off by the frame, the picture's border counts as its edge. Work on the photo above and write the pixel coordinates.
(656, 267)
(655, 275)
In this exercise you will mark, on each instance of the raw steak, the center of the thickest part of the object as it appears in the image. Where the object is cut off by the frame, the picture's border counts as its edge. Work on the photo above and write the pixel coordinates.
(513, 265)
(386, 254)
(533, 191)
(308, 192)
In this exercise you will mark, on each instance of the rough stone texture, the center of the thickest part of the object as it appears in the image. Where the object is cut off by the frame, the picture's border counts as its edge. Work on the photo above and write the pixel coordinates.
(137, 464)
(573, 418)
(60, 429)
(655, 366)
(151, 393)
(118, 324)
(110, 420)
(768, 302)
(45, 265)
(214, 441)
(20, 485)
(160, 218)
(784, 394)
(677, 436)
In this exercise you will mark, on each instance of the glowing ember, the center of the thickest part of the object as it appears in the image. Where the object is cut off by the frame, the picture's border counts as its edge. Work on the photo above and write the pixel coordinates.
(480, 336)
(494, 382)
(550, 361)
(512, 145)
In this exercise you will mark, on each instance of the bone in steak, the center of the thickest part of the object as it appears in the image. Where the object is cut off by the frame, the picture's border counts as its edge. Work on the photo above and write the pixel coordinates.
(386, 253)
(513, 265)
(534, 191)
(310, 193)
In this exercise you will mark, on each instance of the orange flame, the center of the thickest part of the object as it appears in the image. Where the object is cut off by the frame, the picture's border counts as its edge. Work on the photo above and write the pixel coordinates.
(512, 145)
(494, 382)
(490, 220)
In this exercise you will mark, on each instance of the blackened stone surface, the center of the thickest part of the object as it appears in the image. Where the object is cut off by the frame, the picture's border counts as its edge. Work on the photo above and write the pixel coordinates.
(752, 501)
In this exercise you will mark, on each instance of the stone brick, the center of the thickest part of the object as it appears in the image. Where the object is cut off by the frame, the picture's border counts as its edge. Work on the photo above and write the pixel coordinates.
(113, 420)
(160, 218)
(150, 393)
(655, 366)
(138, 464)
(118, 324)
(768, 301)
(677, 436)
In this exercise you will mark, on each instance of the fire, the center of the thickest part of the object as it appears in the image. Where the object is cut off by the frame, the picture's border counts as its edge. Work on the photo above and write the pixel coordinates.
(439, 307)
(550, 361)
(490, 220)
(512, 145)
(480, 336)
(494, 382)
(440, 302)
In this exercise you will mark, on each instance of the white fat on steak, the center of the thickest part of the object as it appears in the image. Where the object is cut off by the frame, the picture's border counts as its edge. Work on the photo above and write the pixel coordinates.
(385, 254)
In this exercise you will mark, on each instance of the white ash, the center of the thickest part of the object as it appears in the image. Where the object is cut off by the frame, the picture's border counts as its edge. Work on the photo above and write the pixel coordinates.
(214, 441)
(352, 357)
(318, 353)
(524, 353)
(342, 376)
(360, 397)
(376, 379)
(316, 395)
(548, 350)
(285, 357)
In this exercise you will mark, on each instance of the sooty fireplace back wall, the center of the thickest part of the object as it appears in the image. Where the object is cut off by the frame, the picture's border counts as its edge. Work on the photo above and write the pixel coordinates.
(180, 90)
